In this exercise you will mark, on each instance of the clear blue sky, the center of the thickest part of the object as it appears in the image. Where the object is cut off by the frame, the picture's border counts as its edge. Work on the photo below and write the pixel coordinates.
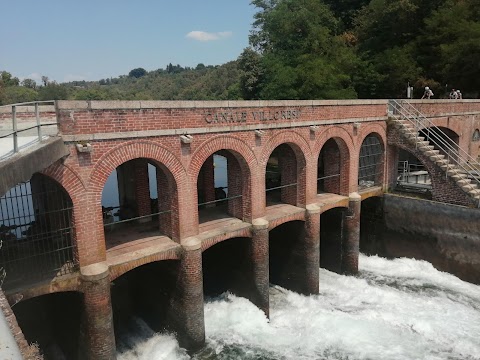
(85, 39)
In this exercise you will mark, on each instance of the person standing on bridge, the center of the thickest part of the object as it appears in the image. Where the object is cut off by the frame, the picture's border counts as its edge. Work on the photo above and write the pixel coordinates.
(428, 93)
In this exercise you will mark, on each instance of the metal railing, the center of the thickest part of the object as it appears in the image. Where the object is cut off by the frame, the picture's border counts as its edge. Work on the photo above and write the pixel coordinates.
(453, 153)
(407, 172)
(15, 130)
(36, 233)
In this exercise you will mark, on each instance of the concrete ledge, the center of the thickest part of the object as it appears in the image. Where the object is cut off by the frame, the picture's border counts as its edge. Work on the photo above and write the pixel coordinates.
(20, 167)
(98, 105)
(191, 243)
(260, 223)
(94, 272)
(313, 209)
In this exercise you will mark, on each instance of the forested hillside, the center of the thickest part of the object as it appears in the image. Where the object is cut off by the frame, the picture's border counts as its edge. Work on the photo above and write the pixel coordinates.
(310, 49)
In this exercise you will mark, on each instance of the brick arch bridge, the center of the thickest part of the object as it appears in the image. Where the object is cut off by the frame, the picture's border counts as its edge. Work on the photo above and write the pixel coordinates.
(307, 143)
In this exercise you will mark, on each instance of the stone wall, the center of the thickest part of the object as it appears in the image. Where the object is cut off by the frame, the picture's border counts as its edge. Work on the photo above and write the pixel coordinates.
(446, 235)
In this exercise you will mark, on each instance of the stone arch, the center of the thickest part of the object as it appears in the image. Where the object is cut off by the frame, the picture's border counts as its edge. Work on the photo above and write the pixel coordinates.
(118, 270)
(449, 189)
(75, 187)
(217, 143)
(334, 132)
(379, 131)
(134, 150)
(61, 287)
(303, 156)
(174, 176)
(345, 144)
(68, 178)
(285, 137)
(242, 233)
(476, 135)
(300, 216)
(244, 161)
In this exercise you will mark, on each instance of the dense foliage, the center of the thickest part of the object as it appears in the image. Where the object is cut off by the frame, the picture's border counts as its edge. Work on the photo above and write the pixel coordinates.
(310, 49)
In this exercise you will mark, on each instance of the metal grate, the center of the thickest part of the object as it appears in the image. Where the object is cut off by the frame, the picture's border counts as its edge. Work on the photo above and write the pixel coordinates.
(370, 166)
(36, 232)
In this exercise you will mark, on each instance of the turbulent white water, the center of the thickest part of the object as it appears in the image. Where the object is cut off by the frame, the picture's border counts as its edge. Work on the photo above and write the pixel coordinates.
(394, 309)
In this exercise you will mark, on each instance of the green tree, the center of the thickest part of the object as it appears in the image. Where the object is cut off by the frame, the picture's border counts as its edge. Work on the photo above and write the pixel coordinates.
(8, 80)
(384, 24)
(137, 73)
(346, 10)
(53, 91)
(449, 47)
(251, 72)
(29, 83)
(19, 94)
(302, 55)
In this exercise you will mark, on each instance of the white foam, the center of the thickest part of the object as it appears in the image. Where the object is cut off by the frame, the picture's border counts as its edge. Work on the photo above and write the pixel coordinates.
(395, 309)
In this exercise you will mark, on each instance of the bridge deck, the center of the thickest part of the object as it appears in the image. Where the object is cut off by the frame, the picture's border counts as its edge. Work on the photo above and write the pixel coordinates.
(136, 241)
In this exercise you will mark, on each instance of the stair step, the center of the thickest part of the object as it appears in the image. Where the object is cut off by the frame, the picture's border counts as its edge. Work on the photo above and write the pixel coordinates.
(432, 152)
(469, 187)
(459, 176)
(474, 192)
(463, 182)
(436, 157)
(453, 170)
(409, 134)
(447, 166)
(426, 147)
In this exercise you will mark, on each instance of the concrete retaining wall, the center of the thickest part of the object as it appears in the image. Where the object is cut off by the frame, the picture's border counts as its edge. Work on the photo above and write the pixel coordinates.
(446, 235)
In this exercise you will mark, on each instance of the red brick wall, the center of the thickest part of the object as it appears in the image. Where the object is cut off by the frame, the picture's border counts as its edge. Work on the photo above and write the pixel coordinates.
(89, 117)
(87, 172)
(84, 174)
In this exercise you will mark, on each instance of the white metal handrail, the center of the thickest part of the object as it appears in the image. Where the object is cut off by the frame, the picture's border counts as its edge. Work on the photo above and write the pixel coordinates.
(452, 151)
(15, 131)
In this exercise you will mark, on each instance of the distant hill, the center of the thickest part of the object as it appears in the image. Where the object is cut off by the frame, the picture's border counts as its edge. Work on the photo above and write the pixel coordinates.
(175, 82)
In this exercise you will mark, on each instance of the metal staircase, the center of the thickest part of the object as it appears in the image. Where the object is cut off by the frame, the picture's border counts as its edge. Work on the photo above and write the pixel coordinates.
(457, 164)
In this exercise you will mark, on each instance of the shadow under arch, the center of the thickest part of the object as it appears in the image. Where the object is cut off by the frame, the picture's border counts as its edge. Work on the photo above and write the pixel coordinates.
(239, 170)
(138, 305)
(53, 321)
(335, 148)
(331, 238)
(333, 169)
(371, 161)
(37, 232)
(283, 163)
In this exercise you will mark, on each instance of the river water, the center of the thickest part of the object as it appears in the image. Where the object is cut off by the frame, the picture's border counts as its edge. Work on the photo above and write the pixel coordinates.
(394, 309)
